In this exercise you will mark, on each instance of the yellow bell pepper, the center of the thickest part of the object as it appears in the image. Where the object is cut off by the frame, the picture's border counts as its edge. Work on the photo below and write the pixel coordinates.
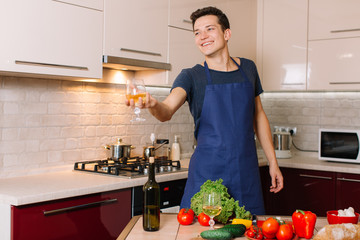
(246, 222)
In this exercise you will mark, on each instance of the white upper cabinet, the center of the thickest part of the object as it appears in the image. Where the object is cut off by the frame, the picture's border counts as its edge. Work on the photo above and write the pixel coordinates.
(57, 38)
(283, 44)
(334, 64)
(334, 45)
(136, 29)
(183, 52)
(180, 11)
(334, 19)
(93, 4)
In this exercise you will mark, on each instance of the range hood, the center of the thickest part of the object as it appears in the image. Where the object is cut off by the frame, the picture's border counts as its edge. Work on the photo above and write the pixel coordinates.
(121, 63)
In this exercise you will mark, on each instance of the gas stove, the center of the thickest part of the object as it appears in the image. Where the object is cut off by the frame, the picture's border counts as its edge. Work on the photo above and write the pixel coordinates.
(129, 168)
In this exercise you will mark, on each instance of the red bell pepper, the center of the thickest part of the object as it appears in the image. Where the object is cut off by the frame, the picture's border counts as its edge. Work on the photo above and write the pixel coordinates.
(304, 223)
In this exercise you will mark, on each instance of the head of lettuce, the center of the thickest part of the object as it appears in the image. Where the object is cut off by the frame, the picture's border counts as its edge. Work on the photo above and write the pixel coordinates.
(229, 207)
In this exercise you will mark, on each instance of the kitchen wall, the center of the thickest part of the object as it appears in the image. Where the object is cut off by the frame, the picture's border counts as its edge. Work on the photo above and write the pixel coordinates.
(309, 111)
(47, 125)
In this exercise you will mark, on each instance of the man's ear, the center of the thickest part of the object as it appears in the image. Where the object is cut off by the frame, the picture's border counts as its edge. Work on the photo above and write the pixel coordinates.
(227, 34)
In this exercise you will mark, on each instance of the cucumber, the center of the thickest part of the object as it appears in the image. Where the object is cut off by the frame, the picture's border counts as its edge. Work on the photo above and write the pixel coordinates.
(236, 230)
(217, 234)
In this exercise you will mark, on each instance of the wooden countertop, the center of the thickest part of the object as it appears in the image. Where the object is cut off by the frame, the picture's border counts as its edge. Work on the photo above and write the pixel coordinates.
(170, 229)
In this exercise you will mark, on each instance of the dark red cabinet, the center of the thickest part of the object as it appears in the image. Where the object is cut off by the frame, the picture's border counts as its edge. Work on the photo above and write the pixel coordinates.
(317, 191)
(303, 189)
(348, 191)
(96, 216)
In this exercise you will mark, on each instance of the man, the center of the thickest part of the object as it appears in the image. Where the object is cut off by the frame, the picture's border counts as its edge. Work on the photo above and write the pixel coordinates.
(223, 95)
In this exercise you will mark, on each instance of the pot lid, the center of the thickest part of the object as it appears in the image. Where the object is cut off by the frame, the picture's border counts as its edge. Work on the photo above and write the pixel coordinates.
(118, 142)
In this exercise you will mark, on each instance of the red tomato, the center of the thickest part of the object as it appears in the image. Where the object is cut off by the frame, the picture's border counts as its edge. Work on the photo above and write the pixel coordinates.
(259, 236)
(203, 219)
(251, 234)
(189, 210)
(270, 227)
(285, 232)
(185, 216)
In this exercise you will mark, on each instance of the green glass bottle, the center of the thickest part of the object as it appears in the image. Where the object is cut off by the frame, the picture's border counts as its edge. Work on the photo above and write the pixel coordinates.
(151, 189)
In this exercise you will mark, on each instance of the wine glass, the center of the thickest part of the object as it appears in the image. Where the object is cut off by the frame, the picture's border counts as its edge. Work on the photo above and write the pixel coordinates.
(135, 88)
(212, 206)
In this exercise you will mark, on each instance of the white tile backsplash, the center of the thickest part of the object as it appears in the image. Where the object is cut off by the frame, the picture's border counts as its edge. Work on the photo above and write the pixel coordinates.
(47, 124)
(310, 111)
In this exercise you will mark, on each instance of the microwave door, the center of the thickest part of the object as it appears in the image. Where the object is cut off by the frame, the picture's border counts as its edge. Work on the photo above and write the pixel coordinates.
(340, 145)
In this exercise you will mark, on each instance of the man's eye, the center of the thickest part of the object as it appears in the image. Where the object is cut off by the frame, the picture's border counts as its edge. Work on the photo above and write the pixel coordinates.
(196, 33)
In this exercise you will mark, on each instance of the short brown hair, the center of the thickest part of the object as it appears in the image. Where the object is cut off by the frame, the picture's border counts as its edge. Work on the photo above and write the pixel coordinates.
(222, 18)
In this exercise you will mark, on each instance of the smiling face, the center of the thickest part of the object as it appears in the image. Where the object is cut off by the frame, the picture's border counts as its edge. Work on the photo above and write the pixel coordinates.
(209, 36)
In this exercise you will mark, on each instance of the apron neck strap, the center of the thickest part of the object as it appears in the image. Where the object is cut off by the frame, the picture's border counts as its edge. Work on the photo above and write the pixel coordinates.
(208, 76)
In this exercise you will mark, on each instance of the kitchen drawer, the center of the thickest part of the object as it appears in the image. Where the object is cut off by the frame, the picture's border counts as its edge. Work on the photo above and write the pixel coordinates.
(96, 216)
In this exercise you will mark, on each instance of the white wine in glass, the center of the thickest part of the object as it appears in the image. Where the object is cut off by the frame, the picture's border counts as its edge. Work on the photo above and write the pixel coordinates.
(212, 206)
(135, 89)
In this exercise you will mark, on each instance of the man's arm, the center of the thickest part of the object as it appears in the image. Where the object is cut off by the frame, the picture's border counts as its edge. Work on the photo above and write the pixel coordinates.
(164, 110)
(263, 132)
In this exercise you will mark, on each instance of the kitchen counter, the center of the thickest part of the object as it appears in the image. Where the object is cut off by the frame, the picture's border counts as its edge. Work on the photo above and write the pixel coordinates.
(170, 229)
(57, 185)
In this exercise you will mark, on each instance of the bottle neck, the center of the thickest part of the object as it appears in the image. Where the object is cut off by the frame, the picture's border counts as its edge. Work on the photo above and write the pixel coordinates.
(151, 172)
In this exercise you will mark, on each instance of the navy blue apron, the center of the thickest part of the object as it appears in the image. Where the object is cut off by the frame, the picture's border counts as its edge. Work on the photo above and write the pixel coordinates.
(225, 144)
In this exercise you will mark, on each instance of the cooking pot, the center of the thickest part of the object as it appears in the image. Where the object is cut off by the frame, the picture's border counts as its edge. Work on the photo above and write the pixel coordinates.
(119, 150)
(149, 151)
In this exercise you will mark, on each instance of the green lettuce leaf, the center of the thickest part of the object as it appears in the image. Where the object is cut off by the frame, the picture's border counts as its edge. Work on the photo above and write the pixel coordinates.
(230, 207)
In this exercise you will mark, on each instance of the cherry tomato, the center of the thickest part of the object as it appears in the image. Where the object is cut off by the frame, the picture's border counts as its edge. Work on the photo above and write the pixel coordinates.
(185, 216)
(203, 219)
(260, 236)
(270, 227)
(251, 234)
(285, 232)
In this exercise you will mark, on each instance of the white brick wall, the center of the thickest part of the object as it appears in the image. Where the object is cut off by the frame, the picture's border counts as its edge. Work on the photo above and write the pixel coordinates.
(311, 111)
(46, 124)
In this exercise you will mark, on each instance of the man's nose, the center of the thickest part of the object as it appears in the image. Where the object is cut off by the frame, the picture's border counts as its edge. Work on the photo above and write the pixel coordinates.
(203, 35)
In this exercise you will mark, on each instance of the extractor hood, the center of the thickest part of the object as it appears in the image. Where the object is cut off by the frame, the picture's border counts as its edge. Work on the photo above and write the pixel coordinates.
(121, 63)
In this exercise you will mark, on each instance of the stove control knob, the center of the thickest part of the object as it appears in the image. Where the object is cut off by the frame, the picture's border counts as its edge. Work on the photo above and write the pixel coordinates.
(162, 169)
(169, 168)
(145, 171)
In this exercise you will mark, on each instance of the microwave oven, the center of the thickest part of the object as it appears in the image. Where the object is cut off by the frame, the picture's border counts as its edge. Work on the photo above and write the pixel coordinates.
(339, 145)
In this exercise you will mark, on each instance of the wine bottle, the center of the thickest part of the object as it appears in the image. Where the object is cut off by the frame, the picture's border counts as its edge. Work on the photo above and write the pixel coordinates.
(151, 189)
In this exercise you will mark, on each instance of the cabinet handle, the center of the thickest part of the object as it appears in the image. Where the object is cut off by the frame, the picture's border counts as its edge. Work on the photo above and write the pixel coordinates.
(349, 180)
(50, 65)
(187, 21)
(139, 51)
(345, 30)
(73, 208)
(314, 176)
(343, 83)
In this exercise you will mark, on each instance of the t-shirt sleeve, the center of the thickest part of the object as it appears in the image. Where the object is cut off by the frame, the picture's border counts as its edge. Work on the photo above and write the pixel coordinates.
(257, 83)
(183, 80)
(258, 87)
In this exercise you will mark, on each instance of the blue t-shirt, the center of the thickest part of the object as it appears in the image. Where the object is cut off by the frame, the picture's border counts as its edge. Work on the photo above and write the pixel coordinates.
(193, 81)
